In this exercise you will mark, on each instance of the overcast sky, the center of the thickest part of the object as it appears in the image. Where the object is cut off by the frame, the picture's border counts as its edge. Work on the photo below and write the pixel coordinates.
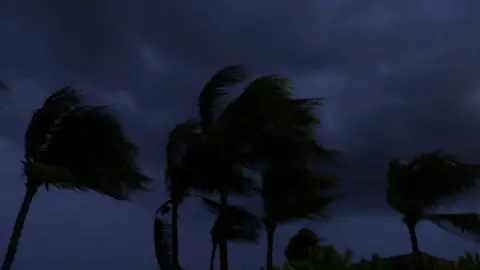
(399, 78)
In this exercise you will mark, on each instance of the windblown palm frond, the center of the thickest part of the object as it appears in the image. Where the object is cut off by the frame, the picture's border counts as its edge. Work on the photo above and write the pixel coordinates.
(267, 122)
(237, 215)
(207, 170)
(85, 140)
(163, 244)
(180, 140)
(293, 193)
(214, 89)
(46, 120)
(422, 183)
(466, 225)
(241, 226)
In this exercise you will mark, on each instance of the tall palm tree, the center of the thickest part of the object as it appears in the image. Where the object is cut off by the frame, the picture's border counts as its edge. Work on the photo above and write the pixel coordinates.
(243, 226)
(264, 123)
(185, 144)
(179, 139)
(70, 145)
(289, 193)
(417, 188)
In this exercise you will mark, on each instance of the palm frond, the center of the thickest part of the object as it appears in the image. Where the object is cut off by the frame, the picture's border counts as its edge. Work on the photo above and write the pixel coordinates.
(46, 120)
(165, 208)
(163, 244)
(88, 142)
(422, 183)
(466, 225)
(293, 193)
(45, 173)
(91, 144)
(237, 214)
(243, 235)
(267, 123)
(214, 89)
(180, 140)
(242, 226)
(206, 169)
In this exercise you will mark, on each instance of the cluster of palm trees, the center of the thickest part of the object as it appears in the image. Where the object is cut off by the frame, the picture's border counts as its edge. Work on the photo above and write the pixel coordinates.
(265, 131)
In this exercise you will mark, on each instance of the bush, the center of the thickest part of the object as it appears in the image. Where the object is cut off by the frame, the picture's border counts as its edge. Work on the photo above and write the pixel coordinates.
(327, 258)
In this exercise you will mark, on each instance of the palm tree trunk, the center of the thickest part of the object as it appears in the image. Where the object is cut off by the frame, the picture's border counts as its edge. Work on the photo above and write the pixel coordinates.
(270, 238)
(413, 236)
(176, 261)
(212, 256)
(18, 227)
(224, 228)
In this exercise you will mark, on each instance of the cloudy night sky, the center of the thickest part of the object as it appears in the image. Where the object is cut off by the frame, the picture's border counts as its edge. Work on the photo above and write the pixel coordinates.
(399, 78)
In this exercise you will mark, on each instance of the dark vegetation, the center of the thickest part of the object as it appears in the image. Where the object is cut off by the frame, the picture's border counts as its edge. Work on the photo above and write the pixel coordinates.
(266, 130)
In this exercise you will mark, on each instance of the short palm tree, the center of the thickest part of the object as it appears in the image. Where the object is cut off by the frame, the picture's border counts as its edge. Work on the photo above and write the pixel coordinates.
(417, 188)
(180, 138)
(70, 145)
(290, 193)
(243, 226)
(300, 245)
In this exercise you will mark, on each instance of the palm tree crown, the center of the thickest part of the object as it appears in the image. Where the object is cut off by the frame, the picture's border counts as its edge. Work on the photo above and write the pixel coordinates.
(417, 188)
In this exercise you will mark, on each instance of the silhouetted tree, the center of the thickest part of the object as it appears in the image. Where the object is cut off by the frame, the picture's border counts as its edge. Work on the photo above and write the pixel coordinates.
(291, 192)
(417, 188)
(264, 123)
(70, 145)
(243, 226)
(180, 138)
(300, 244)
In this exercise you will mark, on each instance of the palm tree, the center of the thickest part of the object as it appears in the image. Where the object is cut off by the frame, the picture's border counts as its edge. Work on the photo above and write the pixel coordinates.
(289, 193)
(300, 245)
(180, 138)
(416, 189)
(264, 123)
(185, 143)
(70, 145)
(243, 226)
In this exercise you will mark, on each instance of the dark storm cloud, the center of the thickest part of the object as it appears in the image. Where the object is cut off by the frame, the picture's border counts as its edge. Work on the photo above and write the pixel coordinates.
(399, 77)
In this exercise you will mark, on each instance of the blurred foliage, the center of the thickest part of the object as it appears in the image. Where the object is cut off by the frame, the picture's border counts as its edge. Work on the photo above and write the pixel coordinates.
(327, 258)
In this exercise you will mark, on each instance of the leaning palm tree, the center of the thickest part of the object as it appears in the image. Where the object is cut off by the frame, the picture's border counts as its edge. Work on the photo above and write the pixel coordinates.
(70, 145)
(243, 226)
(179, 139)
(290, 193)
(417, 188)
(264, 123)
